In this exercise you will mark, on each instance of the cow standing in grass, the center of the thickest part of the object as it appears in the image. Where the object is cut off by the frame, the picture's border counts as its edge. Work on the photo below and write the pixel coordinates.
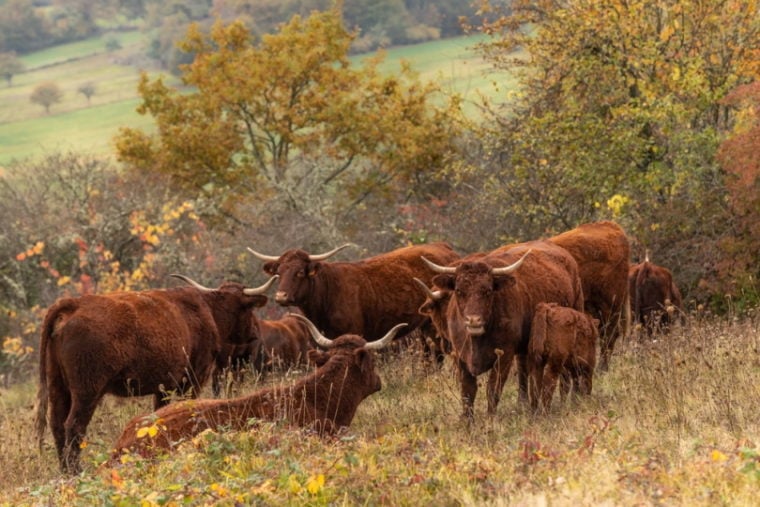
(490, 309)
(324, 401)
(150, 342)
(364, 297)
(562, 346)
(656, 302)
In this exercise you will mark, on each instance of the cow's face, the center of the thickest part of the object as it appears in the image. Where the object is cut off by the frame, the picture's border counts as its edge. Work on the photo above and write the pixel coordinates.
(296, 272)
(234, 312)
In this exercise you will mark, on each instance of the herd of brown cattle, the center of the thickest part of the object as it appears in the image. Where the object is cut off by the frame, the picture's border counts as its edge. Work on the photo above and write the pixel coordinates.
(546, 305)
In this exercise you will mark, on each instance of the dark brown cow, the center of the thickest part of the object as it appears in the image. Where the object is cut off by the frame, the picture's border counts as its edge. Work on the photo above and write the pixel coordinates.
(131, 344)
(602, 252)
(562, 344)
(655, 299)
(490, 310)
(364, 297)
(281, 343)
(325, 401)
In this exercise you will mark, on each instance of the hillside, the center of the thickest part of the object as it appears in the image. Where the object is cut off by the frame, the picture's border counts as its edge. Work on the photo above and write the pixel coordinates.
(76, 124)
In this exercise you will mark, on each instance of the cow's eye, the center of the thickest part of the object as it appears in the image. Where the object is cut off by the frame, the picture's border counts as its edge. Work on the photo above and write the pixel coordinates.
(301, 274)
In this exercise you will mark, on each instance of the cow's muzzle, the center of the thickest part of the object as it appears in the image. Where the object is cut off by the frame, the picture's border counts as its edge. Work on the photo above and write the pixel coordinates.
(474, 325)
(282, 298)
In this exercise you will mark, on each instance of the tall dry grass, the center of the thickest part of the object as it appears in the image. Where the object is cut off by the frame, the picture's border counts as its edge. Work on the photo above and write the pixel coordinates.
(674, 422)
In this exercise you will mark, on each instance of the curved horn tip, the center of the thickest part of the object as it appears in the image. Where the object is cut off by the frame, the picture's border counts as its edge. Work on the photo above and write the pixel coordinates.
(438, 269)
(261, 289)
(262, 256)
(318, 337)
(385, 340)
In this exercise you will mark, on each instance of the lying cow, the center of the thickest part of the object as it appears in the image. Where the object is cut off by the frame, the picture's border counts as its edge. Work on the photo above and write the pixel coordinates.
(364, 297)
(655, 299)
(274, 344)
(325, 401)
(131, 344)
(491, 300)
(562, 346)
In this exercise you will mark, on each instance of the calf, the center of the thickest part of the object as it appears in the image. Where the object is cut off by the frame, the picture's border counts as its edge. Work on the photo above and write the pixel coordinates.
(655, 298)
(562, 344)
(325, 401)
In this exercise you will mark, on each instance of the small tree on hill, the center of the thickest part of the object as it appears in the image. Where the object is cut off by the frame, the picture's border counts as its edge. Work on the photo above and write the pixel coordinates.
(87, 89)
(46, 95)
(10, 66)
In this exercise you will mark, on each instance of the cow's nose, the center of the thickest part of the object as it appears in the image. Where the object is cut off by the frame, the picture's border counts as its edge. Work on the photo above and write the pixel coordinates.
(474, 321)
(281, 296)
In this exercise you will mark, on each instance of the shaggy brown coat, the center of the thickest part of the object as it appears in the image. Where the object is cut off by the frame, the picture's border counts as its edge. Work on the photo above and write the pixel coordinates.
(325, 401)
(562, 344)
(130, 344)
(656, 301)
(488, 317)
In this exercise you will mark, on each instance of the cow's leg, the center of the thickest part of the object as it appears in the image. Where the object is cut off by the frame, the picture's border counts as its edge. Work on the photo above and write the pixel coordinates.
(536, 380)
(82, 408)
(469, 389)
(522, 378)
(60, 407)
(567, 381)
(553, 371)
(498, 377)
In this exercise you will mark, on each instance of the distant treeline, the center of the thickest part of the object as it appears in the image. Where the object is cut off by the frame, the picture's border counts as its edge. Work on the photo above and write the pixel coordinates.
(31, 25)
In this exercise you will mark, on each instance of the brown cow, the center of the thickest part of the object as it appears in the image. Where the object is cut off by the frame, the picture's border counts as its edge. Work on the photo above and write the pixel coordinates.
(325, 401)
(655, 298)
(131, 344)
(281, 343)
(602, 252)
(562, 344)
(490, 310)
(364, 297)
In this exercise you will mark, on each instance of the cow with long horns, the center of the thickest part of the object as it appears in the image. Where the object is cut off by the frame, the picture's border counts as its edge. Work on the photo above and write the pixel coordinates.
(364, 297)
(491, 301)
(150, 342)
(325, 401)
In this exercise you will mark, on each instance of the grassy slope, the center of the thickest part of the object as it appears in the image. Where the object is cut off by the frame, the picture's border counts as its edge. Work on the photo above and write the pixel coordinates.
(672, 423)
(26, 131)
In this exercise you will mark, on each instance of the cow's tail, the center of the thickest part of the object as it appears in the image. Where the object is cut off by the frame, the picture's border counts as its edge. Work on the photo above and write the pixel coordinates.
(538, 332)
(48, 325)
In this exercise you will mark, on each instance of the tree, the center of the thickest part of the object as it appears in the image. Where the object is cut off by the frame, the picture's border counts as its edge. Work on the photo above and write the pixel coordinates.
(46, 94)
(618, 115)
(289, 121)
(10, 66)
(87, 89)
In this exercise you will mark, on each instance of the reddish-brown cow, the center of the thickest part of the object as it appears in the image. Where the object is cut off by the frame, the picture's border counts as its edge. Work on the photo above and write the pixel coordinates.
(281, 343)
(324, 401)
(490, 310)
(131, 344)
(655, 299)
(365, 297)
(562, 344)
(602, 252)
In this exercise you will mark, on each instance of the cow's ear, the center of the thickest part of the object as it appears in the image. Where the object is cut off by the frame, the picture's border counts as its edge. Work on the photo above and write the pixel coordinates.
(318, 357)
(258, 300)
(500, 282)
(444, 281)
(364, 359)
(271, 268)
(426, 308)
(314, 268)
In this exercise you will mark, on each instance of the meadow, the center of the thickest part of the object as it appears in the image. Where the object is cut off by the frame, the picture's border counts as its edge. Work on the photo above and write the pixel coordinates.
(74, 124)
(674, 422)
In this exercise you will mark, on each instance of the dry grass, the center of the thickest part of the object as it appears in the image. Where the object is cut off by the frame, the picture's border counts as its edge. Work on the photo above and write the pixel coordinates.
(673, 423)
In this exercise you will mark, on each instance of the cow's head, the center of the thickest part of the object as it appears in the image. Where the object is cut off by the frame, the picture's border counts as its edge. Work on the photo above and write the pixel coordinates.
(473, 285)
(353, 347)
(296, 270)
(434, 306)
(232, 307)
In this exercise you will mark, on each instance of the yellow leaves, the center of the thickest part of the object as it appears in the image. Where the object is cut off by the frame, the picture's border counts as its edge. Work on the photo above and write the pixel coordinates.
(616, 203)
(666, 33)
(152, 430)
(35, 250)
(315, 484)
(293, 485)
(717, 456)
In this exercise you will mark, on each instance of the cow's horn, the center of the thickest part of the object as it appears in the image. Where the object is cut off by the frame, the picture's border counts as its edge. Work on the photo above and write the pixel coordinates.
(261, 290)
(321, 339)
(263, 257)
(511, 268)
(192, 282)
(433, 295)
(385, 340)
(439, 269)
(327, 255)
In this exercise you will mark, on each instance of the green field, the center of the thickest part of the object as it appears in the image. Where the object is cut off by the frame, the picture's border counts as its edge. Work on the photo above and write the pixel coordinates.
(74, 124)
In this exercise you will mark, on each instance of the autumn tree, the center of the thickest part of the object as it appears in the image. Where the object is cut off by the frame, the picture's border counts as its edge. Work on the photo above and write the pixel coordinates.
(289, 122)
(617, 115)
(87, 89)
(46, 94)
